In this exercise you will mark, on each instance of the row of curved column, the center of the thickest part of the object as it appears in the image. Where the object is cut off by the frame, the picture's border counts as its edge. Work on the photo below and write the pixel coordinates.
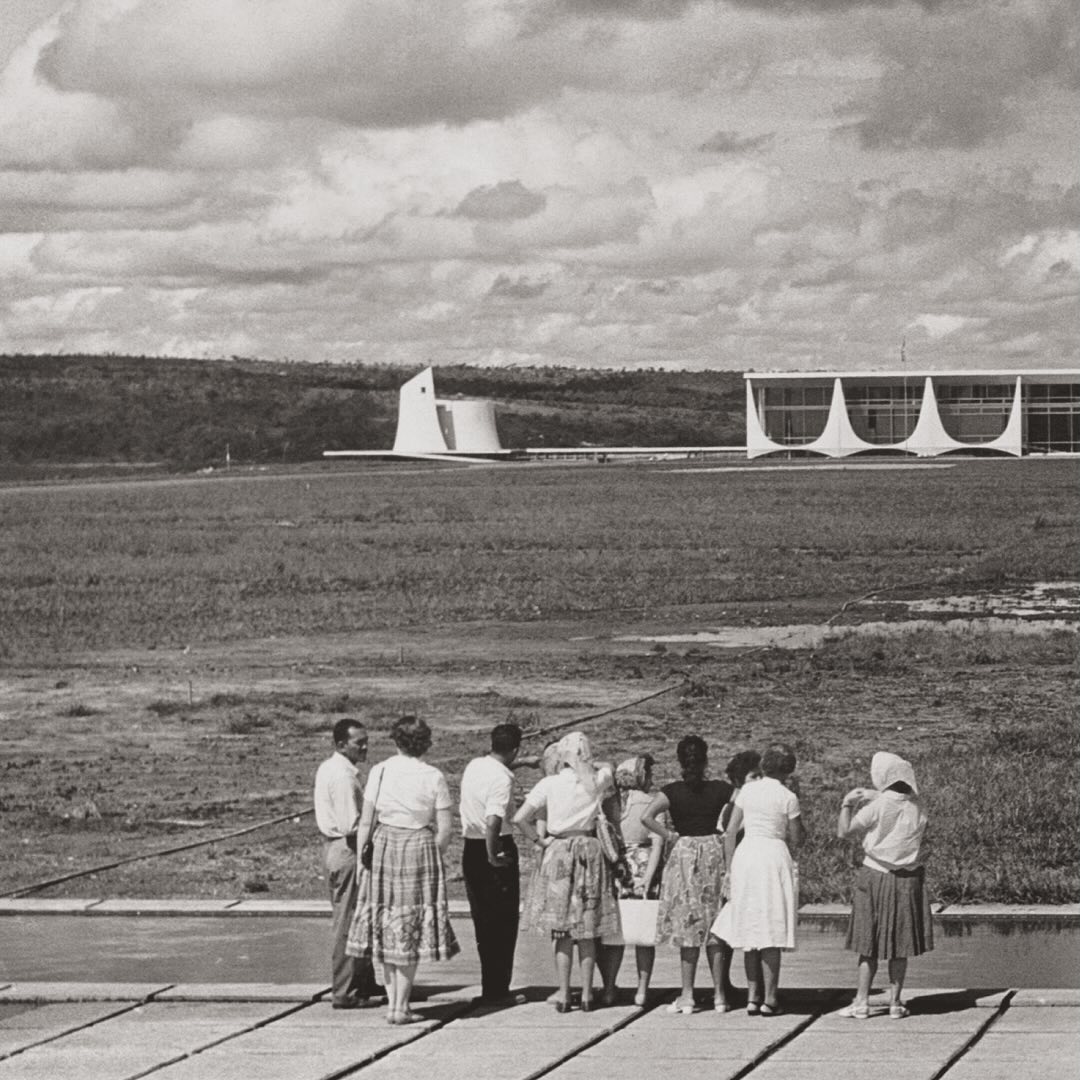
(838, 439)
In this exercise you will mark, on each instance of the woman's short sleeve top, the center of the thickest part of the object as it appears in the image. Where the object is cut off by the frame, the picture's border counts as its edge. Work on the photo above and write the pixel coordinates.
(767, 807)
(893, 826)
(695, 809)
(409, 794)
(566, 804)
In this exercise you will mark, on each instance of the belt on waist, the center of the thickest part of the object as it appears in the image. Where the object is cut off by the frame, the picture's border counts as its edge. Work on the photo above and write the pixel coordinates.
(571, 833)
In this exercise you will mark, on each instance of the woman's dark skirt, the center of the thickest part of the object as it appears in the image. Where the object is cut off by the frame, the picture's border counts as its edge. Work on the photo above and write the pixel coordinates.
(890, 914)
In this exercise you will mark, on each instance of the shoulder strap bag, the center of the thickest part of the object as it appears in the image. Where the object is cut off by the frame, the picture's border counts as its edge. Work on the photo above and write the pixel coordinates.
(367, 852)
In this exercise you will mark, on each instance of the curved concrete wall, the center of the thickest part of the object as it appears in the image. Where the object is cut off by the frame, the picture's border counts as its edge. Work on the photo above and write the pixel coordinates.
(427, 425)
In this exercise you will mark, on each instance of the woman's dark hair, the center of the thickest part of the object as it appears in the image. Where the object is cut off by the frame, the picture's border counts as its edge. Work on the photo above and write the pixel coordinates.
(693, 757)
(411, 735)
(742, 765)
(778, 761)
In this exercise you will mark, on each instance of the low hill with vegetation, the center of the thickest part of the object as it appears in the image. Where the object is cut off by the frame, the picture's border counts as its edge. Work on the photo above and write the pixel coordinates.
(188, 413)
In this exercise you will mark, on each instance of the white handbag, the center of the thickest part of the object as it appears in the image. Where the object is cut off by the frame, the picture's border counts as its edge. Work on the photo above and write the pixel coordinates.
(639, 921)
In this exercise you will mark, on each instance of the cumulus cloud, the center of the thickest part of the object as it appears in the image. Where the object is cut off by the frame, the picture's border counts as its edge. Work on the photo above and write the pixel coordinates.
(517, 288)
(504, 181)
(958, 77)
(730, 142)
(504, 201)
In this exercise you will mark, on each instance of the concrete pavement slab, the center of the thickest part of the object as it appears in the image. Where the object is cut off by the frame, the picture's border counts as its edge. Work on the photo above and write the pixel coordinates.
(281, 907)
(162, 907)
(701, 1036)
(1011, 911)
(850, 1069)
(45, 1063)
(308, 1044)
(46, 906)
(1039, 1066)
(243, 992)
(13, 1009)
(942, 999)
(1048, 1019)
(506, 1053)
(78, 991)
(717, 1068)
(1017, 1046)
(874, 1042)
(1043, 998)
(135, 1041)
(32, 1024)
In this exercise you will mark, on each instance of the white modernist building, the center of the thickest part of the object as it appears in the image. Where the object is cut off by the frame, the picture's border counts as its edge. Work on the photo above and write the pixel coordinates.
(921, 413)
(429, 425)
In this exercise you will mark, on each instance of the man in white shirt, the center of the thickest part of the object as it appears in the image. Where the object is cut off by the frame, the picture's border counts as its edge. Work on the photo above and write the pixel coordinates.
(337, 813)
(489, 861)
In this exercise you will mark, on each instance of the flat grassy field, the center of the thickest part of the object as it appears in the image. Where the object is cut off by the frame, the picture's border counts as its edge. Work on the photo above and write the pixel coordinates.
(175, 651)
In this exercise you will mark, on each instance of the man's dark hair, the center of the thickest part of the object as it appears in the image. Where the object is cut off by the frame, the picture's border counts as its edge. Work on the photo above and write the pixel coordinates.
(505, 738)
(343, 727)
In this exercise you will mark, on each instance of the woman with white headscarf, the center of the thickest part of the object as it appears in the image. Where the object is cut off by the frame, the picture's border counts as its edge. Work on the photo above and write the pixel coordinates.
(573, 898)
(890, 916)
(643, 852)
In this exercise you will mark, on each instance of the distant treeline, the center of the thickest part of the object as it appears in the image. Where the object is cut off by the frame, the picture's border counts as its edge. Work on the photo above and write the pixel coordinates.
(187, 413)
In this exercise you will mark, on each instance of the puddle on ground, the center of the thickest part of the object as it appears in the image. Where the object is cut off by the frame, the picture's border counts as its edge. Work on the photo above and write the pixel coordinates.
(1042, 600)
(814, 635)
(1040, 609)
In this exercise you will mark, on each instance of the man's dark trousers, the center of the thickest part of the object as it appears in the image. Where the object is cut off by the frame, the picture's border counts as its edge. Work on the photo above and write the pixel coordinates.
(353, 976)
(494, 894)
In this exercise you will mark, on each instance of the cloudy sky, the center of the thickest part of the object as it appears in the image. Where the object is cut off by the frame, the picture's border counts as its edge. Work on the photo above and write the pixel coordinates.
(621, 183)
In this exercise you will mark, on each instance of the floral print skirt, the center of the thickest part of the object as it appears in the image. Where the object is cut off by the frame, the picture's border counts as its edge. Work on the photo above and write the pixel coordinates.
(572, 893)
(402, 915)
(690, 892)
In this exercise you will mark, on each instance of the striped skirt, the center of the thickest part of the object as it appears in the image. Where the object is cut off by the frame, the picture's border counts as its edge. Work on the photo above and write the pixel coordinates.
(890, 914)
(690, 892)
(572, 893)
(402, 915)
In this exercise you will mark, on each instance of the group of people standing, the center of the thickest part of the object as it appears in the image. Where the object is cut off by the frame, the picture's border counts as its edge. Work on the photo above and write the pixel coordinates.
(701, 863)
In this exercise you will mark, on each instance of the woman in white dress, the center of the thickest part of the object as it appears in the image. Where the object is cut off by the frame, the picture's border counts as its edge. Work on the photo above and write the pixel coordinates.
(760, 919)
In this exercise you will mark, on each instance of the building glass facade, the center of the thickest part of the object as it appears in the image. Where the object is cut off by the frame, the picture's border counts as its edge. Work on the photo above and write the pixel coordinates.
(922, 413)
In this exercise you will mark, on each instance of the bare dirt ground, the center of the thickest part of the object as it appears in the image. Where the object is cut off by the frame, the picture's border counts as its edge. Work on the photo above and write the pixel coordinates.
(114, 754)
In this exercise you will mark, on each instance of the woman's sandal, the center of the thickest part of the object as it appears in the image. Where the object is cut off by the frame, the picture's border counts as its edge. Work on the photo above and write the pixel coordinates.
(721, 1007)
(561, 1006)
(898, 1011)
(771, 1010)
(855, 1012)
(753, 1008)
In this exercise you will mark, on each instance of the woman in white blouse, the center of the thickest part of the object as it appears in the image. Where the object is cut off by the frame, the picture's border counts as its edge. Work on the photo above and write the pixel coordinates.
(402, 916)
(573, 898)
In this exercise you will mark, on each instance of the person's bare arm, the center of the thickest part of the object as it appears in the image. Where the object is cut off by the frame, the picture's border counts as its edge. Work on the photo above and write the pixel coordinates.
(796, 833)
(444, 829)
(847, 809)
(658, 806)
